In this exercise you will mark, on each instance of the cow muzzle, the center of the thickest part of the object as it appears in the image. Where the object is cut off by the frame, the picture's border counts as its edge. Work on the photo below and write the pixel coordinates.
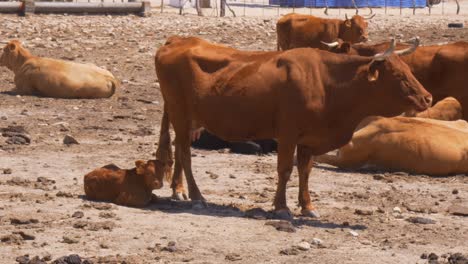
(420, 103)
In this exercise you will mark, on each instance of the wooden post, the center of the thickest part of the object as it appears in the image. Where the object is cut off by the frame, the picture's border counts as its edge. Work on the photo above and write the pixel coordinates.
(198, 7)
(222, 8)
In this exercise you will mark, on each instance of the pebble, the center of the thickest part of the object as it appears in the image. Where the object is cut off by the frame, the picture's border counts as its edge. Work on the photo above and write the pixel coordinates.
(7, 171)
(69, 140)
(303, 246)
(317, 241)
(397, 210)
(354, 233)
(78, 214)
(363, 212)
(420, 220)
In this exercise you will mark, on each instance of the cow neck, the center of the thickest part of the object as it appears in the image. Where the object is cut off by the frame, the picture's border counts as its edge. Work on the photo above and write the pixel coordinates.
(350, 101)
(23, 56)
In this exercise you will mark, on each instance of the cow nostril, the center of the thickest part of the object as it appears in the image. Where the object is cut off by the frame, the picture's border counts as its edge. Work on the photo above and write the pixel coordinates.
(428, 100)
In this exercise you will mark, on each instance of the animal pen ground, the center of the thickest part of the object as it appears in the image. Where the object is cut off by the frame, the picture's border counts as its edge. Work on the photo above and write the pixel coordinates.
(366, 217)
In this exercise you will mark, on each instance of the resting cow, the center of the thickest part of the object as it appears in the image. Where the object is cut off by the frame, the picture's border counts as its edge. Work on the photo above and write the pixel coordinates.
(305, 97)
(441, 69)
(297, 31)
(448, 109)
(56, 78)
(415, 145)
(125, 187)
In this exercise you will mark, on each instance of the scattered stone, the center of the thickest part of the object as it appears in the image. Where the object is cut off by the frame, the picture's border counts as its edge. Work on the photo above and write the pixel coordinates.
(233, 257)
(455, 191)
(64, 194)
(317, 241)
(424, 256)
(212, 175)
(363, 212)
(171, 247)
(282, 225)
(24, 235)
(7, 171)
(70, 240)
(104, 245)
(23, 221)
(458, 258)
(354, 233)
(290, 251)
(433, 256)
(420, 220)
(303, 246)
(12, 239)
(397, 210)
(71, 259)
(458, 209)
(78, 214)
(69, 140)
(107, 215)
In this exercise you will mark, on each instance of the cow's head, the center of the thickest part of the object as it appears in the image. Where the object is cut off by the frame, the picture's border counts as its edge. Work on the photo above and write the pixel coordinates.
(12, 52)
(354, 30)
(152, 171)
(339, 46)
(392, 79)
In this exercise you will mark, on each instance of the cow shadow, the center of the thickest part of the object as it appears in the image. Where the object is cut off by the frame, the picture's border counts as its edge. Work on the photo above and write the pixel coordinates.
(171, 206)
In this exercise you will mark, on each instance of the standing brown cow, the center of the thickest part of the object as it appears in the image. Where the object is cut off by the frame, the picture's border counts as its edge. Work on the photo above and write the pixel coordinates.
(441, 69)
(305, 97)
(296, 30)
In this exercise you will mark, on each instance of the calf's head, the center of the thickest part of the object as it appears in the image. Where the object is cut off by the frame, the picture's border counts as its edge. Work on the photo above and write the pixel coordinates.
(152, 171)
(354, 30)
(13, 55)
(390, 78)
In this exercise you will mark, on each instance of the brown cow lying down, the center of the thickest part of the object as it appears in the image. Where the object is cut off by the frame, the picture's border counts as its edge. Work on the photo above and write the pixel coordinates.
(56, 78)
(125, 187)
(301, 31)
(415, 145)
(304, 98)
(448, 109)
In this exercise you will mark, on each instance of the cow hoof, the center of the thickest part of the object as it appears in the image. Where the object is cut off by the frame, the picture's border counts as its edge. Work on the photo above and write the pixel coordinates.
(283, 214)
(198, 204)
(179, 196)
(310, 213)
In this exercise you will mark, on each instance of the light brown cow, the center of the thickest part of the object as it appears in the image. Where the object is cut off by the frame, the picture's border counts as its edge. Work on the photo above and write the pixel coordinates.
(415, 145)
(297, 30)
(307, 98)
(448, 109)
(56, 78)
(125, 187)
(441, 69)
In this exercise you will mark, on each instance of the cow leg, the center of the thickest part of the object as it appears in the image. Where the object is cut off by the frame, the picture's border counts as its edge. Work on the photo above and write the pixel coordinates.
(304, 166)
(285, 165)
(177, 185)
(185, 158)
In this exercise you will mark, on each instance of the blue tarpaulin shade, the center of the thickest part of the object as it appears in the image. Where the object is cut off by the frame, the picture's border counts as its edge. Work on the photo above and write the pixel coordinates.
(349, 3)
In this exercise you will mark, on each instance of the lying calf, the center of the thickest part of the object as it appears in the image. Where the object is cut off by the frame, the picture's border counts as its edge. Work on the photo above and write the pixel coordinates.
(56, 78)
(415, 145)
(125, 187)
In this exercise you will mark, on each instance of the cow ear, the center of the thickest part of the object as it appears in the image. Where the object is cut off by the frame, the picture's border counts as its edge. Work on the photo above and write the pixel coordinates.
(372, 74)
(140, 166)
(347, 22)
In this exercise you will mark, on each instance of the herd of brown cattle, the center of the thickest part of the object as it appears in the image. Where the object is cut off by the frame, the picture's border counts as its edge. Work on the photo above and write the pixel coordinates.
(320, 91)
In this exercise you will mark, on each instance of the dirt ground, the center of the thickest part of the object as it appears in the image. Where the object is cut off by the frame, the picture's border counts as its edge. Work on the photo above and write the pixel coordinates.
(367, 217)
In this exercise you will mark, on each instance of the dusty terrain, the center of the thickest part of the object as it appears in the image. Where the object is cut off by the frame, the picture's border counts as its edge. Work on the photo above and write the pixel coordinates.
(367, 217)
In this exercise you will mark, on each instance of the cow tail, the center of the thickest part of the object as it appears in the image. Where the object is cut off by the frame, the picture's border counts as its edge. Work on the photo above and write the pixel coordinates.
(164, 152)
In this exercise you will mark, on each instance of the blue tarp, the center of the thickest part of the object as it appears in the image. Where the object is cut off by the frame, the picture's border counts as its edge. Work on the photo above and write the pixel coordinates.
(349, 3)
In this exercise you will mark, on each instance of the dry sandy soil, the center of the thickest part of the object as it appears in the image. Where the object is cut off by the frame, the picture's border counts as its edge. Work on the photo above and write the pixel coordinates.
(367, 217)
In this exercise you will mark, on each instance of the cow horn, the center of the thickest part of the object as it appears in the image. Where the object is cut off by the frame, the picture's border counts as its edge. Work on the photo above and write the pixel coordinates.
(409, 50)
(370, 17)
(388, 52)
(331, 45)
(326, 11)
